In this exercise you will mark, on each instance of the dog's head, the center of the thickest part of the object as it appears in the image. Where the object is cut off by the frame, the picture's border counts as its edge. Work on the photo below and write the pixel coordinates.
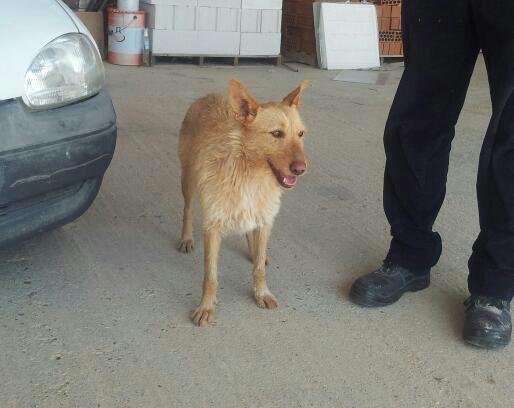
(274, 131)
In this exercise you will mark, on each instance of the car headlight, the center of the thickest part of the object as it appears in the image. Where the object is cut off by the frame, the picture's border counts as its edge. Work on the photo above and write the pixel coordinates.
(66, 70)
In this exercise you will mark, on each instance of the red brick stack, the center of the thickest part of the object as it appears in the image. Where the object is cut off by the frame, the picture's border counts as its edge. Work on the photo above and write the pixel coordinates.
(298, 38)
(299, 42)
(390, 28)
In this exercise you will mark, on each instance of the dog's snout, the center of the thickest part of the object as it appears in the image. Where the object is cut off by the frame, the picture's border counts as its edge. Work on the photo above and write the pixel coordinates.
(298, 167)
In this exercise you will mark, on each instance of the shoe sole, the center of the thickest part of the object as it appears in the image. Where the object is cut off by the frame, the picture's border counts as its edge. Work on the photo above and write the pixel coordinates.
(365, 299)
(484, 339)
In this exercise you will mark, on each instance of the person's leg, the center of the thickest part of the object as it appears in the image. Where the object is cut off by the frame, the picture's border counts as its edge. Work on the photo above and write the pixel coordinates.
(441, 50)
(491, 280)
(492, 262)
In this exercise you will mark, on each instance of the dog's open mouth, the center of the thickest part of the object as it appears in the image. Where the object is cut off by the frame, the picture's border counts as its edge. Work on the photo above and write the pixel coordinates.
(283, 180)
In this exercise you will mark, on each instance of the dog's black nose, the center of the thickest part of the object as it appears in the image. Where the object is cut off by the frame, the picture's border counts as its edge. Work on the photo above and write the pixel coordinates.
(298, 167)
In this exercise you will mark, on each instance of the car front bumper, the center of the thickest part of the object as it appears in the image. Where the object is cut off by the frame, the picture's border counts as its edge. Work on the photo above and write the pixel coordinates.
(51, 163)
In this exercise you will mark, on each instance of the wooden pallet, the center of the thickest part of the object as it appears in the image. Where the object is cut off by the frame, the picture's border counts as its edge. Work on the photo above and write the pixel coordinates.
(201, 60)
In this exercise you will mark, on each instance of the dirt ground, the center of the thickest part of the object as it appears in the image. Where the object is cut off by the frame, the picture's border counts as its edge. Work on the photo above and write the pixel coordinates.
(96, 314)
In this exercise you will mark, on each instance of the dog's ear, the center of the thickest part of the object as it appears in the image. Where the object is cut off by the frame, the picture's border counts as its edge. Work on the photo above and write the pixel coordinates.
(243, 104)
(293, 99)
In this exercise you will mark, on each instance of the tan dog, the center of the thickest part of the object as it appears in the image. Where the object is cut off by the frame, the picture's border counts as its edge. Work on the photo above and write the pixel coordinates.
(239, 156)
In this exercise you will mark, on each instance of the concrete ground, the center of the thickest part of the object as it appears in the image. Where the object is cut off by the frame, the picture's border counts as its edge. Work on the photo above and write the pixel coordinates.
(96, 314)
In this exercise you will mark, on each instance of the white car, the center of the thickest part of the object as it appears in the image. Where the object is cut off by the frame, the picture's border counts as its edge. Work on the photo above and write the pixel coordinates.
(57, 123)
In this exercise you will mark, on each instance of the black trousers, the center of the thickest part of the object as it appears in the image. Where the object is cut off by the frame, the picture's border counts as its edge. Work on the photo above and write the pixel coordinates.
(442, 39)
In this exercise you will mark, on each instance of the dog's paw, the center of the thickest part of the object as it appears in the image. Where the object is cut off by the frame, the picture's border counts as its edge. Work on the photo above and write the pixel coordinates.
(186, 246)
(203, 315)
(266, 300)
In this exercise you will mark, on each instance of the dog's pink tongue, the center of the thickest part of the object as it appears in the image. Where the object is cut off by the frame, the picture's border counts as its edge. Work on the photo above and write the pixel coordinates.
(290, 180)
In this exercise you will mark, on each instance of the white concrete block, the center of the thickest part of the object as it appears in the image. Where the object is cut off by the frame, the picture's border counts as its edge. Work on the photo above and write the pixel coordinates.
(250, 21)
(220, 3)
(262, 4)
(271, 21)
(347, 36)
(228, 19)
(157, 16)
(214, 27)
(184, 18)
(259, 44)
(260, 21)
(203, 43)
(206, 19)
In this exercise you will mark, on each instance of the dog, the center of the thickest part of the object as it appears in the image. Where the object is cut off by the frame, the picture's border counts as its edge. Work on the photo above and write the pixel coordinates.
(239, 156)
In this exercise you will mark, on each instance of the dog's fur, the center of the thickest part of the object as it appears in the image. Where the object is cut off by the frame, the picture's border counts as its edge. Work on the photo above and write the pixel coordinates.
(239, 156)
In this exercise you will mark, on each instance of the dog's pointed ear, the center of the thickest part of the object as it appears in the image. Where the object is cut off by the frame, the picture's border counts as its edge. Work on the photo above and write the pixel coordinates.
(243, 104)
(293, 99)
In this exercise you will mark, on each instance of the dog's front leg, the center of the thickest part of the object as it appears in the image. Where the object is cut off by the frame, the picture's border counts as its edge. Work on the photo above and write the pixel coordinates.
(251, 245)
(263, 296)
(251, 239)
(205, 312)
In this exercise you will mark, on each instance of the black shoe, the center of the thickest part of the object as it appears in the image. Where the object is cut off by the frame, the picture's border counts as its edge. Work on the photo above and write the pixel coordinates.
(487, 323)
(386, 285)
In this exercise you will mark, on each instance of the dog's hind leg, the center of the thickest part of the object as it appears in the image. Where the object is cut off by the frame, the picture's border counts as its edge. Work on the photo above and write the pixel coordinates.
(205, 312)
(188, 191)
(263, 296)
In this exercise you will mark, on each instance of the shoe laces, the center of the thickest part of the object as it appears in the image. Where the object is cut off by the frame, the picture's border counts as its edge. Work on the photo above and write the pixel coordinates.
(486, 301)
(389, 269)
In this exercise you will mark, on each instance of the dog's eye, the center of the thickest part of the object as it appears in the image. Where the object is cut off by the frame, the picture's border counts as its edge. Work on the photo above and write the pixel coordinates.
(278, 133)
(300, 134)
